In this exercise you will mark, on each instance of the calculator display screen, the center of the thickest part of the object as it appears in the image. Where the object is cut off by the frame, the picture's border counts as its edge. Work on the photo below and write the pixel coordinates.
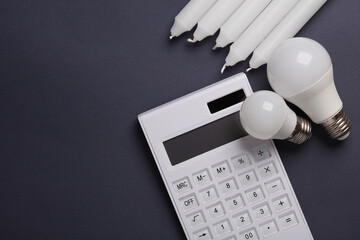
(204, 138)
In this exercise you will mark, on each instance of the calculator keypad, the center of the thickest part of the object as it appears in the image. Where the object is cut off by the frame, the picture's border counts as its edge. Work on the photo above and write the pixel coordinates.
(238, 198)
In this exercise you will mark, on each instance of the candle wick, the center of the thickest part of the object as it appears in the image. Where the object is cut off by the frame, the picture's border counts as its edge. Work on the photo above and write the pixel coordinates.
(171, 37)
(249, 69)
(191, 40)
(223, 68)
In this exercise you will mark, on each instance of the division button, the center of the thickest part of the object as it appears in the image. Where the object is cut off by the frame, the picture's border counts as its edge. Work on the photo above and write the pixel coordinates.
(261, 153)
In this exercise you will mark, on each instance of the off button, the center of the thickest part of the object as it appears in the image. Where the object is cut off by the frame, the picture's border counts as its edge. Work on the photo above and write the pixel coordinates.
(189, 202)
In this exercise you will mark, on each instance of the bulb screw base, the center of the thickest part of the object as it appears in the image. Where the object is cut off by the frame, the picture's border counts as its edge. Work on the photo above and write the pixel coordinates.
(302, 131)
(337, 127)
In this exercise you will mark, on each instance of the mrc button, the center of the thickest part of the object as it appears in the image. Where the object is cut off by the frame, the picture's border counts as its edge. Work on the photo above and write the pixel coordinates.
(182, 185)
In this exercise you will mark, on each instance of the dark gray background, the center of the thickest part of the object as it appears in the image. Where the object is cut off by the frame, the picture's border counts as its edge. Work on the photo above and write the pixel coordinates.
(74, 75)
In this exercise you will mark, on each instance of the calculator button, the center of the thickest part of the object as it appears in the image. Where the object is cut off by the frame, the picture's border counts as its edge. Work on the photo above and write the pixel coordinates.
(262, 211)
(235, 202)
(209, 194)
(242, 219)
(230, 238)
(196, 219)
(288, 220)
(241, 161)
(221, 169)
(228, 186)
(248, 178)
(202, 177)
(261, 153)
(222, 228)
(249, 235)
(255, 194)
(182, 185)
(267, 170)
(203, 234)
(268, 228)
(216, 211)
(281, 203)
(274, 186)
(189, 202)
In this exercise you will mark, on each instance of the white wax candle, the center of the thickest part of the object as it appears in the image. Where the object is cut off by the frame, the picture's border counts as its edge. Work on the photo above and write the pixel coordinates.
(258, 30)
(214, 18)
(239, 21)
(189, 16)
(286, 29)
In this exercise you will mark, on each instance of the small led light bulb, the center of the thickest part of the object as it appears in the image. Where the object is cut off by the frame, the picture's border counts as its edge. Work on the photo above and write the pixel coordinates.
(265, 115)
(300, 70)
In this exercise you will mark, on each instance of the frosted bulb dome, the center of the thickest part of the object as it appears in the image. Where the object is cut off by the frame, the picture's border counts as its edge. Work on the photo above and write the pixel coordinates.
(265, 115)
(296, 65)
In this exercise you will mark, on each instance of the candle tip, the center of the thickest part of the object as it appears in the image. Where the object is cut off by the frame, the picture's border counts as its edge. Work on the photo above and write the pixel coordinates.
(171, 37)
(215, 47)
(223, 68)
(191, 40)
(249, 69)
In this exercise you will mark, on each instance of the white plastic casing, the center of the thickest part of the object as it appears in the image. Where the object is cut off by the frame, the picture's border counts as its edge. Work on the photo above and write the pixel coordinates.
(300, 70)
(265, 115)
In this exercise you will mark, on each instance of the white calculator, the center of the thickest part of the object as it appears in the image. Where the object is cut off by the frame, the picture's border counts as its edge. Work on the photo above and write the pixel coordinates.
(223, 183)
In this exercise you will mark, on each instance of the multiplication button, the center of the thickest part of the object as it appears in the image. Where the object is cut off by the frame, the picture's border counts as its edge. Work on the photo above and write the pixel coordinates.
(201, 177)
(241, 161)
(182, 185)
(189, 202)
(221, 169)
(288, 220)
(267, 170)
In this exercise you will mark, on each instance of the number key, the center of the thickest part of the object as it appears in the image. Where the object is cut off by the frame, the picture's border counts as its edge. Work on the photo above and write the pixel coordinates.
(248, 178)
(249, 235)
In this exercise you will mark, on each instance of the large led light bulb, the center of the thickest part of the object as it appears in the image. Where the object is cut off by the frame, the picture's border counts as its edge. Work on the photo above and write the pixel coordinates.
(265, 115)
(300, 70)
